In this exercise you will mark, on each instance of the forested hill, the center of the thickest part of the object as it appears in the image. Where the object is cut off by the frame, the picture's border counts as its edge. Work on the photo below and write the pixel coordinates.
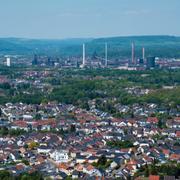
(161, 46)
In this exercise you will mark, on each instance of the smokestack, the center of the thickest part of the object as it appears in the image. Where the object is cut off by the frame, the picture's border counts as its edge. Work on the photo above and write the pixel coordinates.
(106, 55)
(84, 55)
(143, 53)
(8, 61)
(133, 53)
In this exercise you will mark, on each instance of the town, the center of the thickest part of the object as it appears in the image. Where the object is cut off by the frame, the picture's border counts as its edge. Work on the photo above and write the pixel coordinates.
(90, 123)
(89, 90)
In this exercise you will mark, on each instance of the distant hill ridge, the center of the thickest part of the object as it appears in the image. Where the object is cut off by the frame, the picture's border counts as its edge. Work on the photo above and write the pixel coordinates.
(118, 47)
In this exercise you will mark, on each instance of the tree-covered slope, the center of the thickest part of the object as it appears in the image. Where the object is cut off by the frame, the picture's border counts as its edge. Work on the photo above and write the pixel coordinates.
(118, 47)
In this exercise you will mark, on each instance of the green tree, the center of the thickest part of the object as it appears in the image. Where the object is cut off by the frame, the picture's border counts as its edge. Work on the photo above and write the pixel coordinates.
(72, 128)
(5, 175)
(102, 160)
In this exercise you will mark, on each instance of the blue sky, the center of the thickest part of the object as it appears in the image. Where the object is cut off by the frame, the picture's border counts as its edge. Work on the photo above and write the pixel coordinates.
(88, 18)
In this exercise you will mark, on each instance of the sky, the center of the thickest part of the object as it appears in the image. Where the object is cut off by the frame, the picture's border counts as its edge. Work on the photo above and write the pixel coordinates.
(57, 19)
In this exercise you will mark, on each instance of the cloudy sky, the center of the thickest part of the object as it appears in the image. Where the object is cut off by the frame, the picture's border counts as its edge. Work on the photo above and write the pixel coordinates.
(88, 18)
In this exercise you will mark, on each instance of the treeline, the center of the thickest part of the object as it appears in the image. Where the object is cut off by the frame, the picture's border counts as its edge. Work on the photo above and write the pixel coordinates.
(78, 86)
(6, 175)
(168, 169)
(4, 131)
(120, 144)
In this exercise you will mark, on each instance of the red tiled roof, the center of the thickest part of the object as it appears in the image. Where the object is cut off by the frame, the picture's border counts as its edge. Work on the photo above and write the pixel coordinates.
(40, 159)
(132, 162)
(90, 167)
(153, 177)
(178, 134)
(165, 151)
(79, 167)
(63, 166)
(175, 157)
(20, 123)
(19, 167)
(130, 167)
(152, 119)
(45, 122)
(177, 119)
(116, 120)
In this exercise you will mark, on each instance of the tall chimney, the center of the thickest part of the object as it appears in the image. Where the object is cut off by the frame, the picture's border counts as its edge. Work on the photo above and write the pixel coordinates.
(133, 53)
(106, 55)
(143, 53)
(84, 55)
